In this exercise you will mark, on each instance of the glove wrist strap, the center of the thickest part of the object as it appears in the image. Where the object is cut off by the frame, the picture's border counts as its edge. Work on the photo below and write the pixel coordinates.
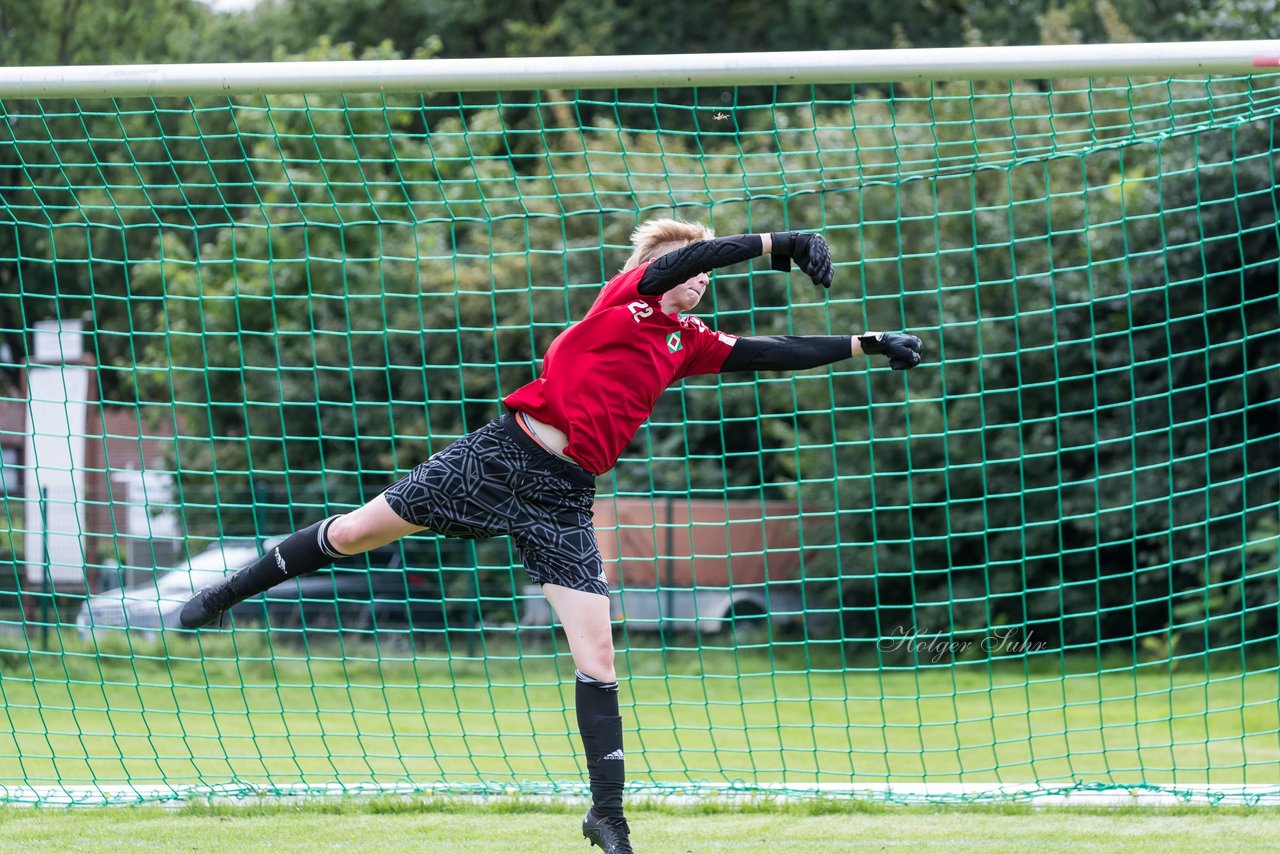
(871, 345)
(784, 243)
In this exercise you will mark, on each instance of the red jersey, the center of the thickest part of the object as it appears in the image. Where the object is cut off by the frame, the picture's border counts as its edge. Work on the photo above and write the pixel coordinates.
(602, 377)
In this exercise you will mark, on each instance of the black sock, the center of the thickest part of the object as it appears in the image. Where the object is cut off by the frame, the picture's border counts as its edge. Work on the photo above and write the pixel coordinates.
(601, 728)
(301, 552)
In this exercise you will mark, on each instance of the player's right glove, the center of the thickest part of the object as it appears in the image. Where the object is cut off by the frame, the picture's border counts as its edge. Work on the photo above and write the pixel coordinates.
(809, 251)
(903, 350)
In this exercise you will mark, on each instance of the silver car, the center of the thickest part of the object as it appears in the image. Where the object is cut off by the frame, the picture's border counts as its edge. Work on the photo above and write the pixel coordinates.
(156, 603)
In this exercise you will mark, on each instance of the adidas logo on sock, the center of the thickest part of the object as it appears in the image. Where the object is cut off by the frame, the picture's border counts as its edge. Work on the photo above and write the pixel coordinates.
(280, 562)
(617, 754)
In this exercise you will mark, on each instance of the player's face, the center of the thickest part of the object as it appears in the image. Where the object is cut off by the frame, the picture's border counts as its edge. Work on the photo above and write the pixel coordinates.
(686, 295)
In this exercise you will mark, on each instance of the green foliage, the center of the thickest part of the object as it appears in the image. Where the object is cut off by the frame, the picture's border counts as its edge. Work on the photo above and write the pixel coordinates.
(316, 292)
(320, 291)
(569, 27)
(81, 32)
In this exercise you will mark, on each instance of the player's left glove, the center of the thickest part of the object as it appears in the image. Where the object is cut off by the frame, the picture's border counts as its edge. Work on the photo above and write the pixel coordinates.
(809, 251)
(903, 350)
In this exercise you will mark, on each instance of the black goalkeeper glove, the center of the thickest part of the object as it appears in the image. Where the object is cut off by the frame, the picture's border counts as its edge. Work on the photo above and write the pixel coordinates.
(903, 350)
(809, 251)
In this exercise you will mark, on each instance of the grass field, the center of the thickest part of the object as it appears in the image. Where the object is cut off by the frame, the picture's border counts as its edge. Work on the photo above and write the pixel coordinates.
(235, 708)
(802, 829)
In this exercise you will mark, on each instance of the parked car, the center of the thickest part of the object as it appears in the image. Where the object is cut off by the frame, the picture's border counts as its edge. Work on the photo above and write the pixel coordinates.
(155, 604)
(372, 592)
(366, 593)
(747, 612)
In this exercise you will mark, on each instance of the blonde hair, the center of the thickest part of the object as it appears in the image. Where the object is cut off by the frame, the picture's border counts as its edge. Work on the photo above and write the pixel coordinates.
(657, 237)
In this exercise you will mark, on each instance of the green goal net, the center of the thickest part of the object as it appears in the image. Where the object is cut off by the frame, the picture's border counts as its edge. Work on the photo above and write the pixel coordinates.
(1044, 562)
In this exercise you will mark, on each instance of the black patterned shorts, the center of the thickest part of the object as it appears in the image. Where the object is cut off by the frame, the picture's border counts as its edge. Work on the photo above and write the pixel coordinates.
(498, 480)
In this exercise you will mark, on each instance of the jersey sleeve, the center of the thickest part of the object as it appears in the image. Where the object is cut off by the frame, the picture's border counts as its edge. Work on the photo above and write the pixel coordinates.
(622, 289)
(705, 348)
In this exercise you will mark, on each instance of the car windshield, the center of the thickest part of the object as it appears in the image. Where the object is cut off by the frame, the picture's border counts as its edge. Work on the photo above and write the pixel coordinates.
(221, 558)
(205, 568)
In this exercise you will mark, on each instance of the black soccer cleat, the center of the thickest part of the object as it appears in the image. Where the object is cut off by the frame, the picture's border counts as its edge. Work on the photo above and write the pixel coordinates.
(611, 833)
(212, 602)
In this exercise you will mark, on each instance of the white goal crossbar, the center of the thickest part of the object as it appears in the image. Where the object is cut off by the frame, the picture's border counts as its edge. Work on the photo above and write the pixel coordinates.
(627, 72)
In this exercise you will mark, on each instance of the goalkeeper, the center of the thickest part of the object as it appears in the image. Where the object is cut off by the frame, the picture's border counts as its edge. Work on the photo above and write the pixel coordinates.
(530, 474)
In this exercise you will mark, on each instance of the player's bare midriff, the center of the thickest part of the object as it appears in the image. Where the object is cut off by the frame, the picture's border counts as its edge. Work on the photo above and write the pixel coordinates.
(552, 439)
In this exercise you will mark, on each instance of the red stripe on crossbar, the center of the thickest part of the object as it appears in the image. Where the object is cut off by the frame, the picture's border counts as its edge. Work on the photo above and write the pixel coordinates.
(1266, 61)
